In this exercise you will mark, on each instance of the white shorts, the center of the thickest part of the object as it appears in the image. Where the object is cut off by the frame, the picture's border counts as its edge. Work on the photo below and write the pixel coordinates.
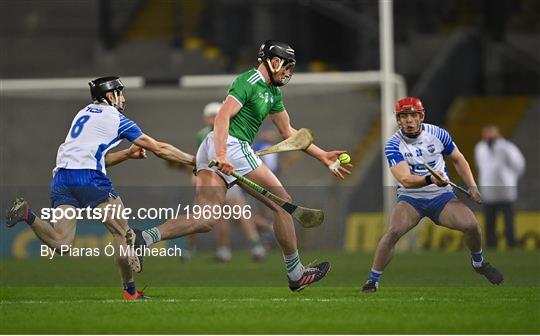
(239, 153)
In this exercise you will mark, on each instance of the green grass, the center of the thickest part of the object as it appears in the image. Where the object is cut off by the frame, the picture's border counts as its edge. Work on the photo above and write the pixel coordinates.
(422, 293)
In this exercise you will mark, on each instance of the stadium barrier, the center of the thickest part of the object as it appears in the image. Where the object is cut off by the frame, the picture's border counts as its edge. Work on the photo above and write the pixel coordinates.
(364, 230)
(362, 233)
(20, 241)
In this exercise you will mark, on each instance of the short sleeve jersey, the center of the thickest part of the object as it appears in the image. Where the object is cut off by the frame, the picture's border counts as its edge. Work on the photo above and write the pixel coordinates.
(94, 131)
(429, 147)
(257, 99)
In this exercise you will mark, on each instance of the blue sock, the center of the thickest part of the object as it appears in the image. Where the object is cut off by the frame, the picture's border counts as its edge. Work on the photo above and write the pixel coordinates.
(374, 275)
(130, 287)
(477, 258)
(31, 218)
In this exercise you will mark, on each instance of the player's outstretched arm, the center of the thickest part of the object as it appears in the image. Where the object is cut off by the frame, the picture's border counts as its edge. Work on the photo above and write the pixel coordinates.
(282, 122)
(402, 173)
(164, 150)
(464, 170)
(133, 152)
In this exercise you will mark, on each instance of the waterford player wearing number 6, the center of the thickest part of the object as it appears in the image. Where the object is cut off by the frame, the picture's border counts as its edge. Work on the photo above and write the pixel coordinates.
(252, 97)
(80, 180)
(423, 195)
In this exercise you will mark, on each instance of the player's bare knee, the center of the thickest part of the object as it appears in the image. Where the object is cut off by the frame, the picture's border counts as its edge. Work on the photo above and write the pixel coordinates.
(204, 225)
(65, 238)
(471, 227)
(392, 236)
(281, 192)
(276, 208)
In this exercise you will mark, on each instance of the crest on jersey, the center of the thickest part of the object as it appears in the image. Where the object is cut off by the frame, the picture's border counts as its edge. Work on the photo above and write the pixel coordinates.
(431, 148)
(266, 97)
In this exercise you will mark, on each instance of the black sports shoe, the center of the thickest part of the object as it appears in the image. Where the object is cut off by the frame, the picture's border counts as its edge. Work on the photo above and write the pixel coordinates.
(135, 241)
(19, 212)
(311, 274)
(370, 286)
(490, 272)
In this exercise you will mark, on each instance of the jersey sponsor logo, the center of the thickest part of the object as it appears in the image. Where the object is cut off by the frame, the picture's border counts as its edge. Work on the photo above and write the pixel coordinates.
(431, 148)
(418, 153)
(266, 97)
(92, 109)
(418, 168)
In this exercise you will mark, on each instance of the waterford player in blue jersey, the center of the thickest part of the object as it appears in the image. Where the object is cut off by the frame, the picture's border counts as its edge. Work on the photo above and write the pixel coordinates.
(423, 195)
(80, 180)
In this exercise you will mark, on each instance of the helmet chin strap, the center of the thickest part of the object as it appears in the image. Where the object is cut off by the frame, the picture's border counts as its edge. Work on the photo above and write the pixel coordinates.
(272, 71)
(281, 61)
(415, 134)
(116, 101)
(412, 135)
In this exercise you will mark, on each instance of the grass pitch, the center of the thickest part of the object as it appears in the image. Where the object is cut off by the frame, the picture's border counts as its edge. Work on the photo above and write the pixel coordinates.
(422, 293)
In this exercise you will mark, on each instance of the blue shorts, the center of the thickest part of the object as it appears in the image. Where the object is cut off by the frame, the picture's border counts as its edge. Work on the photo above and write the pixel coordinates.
(429, 207)
(81, 188)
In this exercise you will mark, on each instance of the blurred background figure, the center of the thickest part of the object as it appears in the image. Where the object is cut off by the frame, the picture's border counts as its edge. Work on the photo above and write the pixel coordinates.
(500, 164)
(235, 198)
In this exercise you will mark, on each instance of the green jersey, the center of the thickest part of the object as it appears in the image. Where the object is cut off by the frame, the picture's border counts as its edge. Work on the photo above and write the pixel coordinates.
(201, 135)
(258, 99)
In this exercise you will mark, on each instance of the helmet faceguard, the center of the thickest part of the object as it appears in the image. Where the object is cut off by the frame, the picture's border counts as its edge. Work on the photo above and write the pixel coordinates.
(271, 49)
(409, 105)
(100, 86)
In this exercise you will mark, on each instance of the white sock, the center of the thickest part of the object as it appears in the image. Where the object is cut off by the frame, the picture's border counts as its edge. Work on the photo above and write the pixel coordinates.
(479, 256)
(295, 269)
(224, 253)
(151, 236)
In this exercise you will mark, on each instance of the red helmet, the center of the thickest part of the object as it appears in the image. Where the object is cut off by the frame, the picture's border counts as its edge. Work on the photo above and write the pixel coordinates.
(408, 105)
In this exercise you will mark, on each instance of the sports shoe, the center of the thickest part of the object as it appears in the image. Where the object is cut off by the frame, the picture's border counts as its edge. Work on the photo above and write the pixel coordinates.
(136, 241)
(311, 274)
(223, 254)
(18, 213)
(139, 295)
(370, 286)
(490, 272)
(258, 253)
(186, 256)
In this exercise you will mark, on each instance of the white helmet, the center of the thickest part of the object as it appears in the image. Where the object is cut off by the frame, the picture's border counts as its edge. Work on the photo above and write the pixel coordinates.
(211, 109)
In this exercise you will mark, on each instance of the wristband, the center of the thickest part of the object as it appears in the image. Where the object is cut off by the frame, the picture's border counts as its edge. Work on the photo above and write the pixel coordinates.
(428, 180)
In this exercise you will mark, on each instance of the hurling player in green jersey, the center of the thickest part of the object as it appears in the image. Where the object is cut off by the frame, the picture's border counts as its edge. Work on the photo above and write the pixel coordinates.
(235, 199)
(251, 98)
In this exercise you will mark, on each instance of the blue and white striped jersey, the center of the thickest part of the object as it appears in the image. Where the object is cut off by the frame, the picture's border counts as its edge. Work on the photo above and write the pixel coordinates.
(430, 146)
(95, 130)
